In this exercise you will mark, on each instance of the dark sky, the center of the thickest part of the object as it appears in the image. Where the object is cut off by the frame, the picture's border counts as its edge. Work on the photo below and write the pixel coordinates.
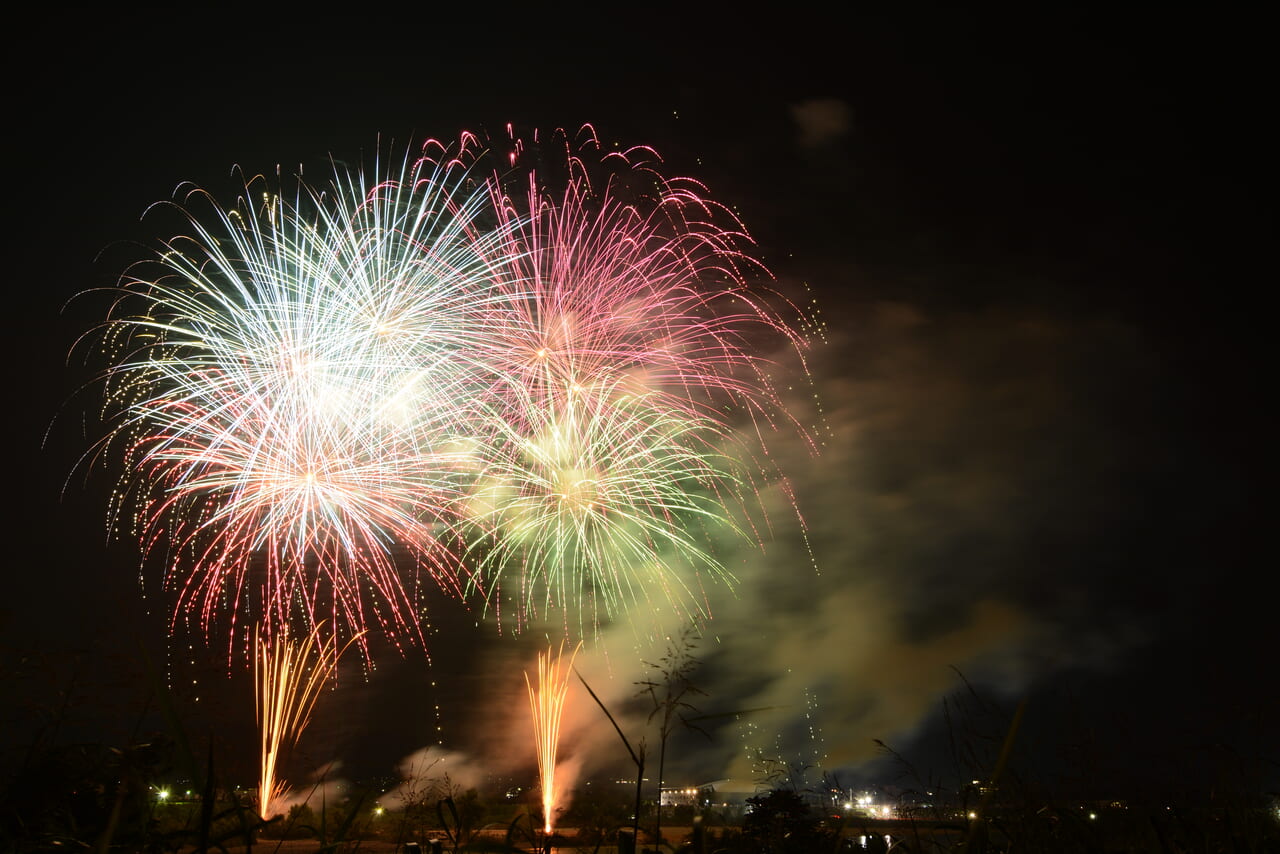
(1036, 243)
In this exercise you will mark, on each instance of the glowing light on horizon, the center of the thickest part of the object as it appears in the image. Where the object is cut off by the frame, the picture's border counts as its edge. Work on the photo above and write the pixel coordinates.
(546, 701)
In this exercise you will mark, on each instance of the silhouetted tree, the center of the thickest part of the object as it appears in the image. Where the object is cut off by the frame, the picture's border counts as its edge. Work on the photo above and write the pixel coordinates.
(781, 821)
(667, 690)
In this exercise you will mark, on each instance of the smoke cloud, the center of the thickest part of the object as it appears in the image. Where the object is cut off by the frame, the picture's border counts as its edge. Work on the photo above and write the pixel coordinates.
(953, 447)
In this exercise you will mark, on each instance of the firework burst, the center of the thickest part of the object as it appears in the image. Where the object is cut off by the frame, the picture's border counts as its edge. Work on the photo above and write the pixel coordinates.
(284, 394)
(597, 502)
(631, 385)
(534, 370)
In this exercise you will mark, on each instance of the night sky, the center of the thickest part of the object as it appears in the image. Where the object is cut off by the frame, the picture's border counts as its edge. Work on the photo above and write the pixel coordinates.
(1037, 248)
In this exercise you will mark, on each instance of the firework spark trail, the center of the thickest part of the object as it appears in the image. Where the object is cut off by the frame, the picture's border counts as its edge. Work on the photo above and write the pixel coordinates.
(287, 679)
(287, 395)
(547, 704)
(631, 346)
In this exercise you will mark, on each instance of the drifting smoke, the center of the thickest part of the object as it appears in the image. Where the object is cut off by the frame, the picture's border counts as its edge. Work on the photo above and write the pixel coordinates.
(323, 785)
(432, 773)
(956, 443)
(821, 122)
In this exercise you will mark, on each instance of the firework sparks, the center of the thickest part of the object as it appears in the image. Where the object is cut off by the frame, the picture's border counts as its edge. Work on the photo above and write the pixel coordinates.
(627, 358)
(285, 396)
(549, 385)
(547, 703)
(288, 676)
(599, 501)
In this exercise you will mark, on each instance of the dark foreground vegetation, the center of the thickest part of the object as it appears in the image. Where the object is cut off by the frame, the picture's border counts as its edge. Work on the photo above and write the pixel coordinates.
(158, 795)
(94, 799)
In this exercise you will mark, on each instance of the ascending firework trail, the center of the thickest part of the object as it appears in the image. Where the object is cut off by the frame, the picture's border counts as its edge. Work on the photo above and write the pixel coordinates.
(546, 701)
